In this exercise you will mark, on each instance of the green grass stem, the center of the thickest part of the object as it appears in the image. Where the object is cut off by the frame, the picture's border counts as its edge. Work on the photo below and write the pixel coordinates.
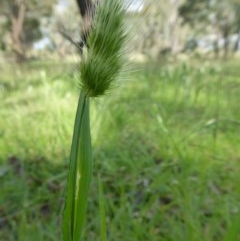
(80, 172)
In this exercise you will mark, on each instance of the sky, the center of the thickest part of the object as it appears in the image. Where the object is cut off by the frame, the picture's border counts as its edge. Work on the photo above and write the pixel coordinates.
(135, 5)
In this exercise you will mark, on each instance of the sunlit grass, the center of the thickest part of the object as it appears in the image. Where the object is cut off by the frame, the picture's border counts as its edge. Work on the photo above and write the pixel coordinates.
(174, 175)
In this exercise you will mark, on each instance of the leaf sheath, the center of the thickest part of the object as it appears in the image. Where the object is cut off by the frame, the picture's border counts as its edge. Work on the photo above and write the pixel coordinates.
(80, 172)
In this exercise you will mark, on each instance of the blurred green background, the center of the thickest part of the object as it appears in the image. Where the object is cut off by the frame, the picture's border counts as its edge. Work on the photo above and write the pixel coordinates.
(165, 142)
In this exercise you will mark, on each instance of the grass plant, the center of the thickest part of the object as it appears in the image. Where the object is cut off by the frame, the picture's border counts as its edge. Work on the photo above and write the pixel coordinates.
(98, 70)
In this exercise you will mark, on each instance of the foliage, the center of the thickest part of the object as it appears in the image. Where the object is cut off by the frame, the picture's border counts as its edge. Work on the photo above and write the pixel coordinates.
(174, 175)
(23, 22)
(219, 13)
(157, 28)
(218, 17)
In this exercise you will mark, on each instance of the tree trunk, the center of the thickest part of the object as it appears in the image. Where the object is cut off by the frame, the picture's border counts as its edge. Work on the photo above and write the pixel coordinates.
(226, 40)
(18, 13)
(86, 9)
(216, 48)
(236, 45)
(173, 22)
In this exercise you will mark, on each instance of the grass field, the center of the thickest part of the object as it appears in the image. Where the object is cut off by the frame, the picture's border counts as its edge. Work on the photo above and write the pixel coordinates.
(166, 145)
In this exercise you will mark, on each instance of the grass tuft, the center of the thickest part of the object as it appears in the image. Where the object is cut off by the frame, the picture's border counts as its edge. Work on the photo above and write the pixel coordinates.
(191, 192)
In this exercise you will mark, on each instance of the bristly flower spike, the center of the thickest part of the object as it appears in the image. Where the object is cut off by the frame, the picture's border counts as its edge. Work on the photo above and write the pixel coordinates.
(106, 42)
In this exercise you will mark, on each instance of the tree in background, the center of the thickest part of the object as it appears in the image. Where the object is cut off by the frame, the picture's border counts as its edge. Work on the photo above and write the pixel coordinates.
(23, 23)
(159, 28)
(222, 17)
(236, 27)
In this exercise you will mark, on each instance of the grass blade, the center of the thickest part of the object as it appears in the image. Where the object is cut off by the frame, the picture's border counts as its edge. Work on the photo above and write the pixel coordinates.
(233, 231)
(103, 229)
(80, 172)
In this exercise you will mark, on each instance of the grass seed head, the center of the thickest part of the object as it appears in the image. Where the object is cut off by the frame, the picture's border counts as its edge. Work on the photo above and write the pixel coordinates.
(106, 42)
